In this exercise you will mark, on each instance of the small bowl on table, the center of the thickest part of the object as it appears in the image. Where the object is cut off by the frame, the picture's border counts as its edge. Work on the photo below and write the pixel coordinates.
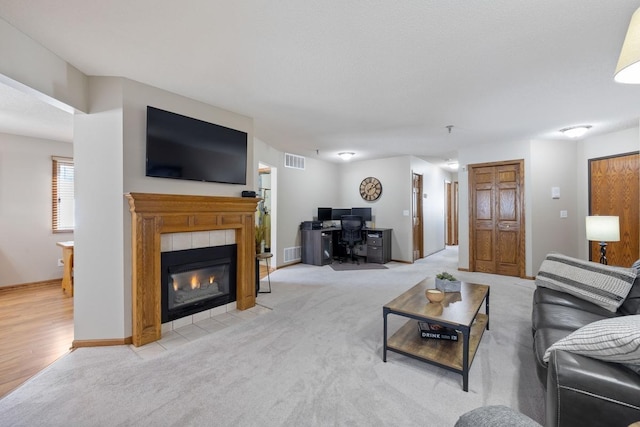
(434, 295)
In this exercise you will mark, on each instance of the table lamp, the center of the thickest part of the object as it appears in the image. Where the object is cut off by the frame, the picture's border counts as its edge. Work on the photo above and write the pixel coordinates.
(603, 229)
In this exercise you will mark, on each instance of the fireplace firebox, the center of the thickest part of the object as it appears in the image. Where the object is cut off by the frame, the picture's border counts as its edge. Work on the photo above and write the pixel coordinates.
(195, 280)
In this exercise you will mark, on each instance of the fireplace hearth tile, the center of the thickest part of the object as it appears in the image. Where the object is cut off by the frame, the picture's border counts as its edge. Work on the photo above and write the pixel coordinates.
(197, 317)
(215, 311)
(192, 332)
(183, 321)
(172, 340)
(211, 325)
(156, 214)
(230, 319)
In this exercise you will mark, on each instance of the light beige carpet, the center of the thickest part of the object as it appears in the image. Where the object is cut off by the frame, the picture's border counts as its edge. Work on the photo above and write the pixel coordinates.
(315, 359)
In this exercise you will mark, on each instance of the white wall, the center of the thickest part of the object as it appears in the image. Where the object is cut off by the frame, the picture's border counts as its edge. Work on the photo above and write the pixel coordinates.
(434, 205)
(28, 251)
(553, 164)
(100, 294)
(393, 208)
(110, 161)
(136, 98)
(299, 194)
(388, 210)
(548, 164)
(28, 66)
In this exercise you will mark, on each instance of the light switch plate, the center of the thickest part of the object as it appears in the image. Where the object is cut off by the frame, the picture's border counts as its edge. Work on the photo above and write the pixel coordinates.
(563, 214)
(555, 192)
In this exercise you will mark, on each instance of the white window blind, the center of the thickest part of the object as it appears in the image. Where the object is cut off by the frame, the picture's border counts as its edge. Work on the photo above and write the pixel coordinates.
(63, 197)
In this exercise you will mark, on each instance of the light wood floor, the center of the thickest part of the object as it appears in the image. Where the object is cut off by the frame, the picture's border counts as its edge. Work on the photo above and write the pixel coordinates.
(36, 328)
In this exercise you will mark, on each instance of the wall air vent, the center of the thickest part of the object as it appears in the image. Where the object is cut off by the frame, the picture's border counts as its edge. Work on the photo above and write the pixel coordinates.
(293, 253)
(293, 161)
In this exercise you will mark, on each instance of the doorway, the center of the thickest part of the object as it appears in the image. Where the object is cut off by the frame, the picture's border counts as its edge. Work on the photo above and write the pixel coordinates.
(451, 203)
(614, 183)
(496, 218)
(416, 214)
(267, 208)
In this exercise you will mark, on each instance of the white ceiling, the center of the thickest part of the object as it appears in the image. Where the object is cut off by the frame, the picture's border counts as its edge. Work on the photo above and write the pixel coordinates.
(380, 78)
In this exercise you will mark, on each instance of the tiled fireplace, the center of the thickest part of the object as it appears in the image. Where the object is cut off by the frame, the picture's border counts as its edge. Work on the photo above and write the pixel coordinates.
(198, 276)
(185, 218)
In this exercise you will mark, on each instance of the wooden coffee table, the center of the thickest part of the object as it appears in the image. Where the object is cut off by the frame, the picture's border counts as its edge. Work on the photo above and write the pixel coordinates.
(458, 310)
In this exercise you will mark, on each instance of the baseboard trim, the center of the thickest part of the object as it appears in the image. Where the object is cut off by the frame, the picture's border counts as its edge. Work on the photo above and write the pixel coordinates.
(101, 343)
(42, 283)
(463, 269)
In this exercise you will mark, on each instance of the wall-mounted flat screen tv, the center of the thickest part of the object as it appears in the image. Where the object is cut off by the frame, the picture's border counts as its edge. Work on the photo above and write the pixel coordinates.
(182, 147)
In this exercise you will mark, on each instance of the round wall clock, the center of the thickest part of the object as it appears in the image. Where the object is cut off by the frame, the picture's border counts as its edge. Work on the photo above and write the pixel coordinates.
(370, 189)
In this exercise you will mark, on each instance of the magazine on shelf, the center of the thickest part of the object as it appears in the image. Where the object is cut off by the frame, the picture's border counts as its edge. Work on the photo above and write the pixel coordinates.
(434, 331)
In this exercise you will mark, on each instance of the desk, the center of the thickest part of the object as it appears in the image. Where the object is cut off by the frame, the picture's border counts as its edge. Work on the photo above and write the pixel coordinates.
(319, 246)
(67, 260)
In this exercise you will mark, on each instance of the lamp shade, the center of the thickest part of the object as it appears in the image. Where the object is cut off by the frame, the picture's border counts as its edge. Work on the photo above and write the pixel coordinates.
(603, 228)
(628, 69)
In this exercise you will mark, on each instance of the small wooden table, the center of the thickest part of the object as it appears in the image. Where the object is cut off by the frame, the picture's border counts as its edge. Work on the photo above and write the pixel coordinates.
(67, 260)
(458, 310)
(266, 256)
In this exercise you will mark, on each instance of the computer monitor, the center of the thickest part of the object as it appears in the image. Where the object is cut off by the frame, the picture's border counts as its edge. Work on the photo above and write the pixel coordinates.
(336, 214)
(324, 214)
(365, 213)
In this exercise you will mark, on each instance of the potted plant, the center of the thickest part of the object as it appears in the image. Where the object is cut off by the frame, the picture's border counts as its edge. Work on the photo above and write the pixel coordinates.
(447, 283)
(261, 230)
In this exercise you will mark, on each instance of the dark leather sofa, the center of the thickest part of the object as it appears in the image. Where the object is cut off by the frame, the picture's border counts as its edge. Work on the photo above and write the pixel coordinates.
(582, 391)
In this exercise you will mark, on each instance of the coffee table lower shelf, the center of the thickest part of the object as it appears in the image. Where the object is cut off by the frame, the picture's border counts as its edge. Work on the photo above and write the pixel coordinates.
(446, 354)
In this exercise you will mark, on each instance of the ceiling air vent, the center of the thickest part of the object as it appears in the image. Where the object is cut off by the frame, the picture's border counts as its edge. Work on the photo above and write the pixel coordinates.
(293, 161)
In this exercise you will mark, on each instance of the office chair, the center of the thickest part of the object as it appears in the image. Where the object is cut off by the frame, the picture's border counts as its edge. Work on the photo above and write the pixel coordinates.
(351, 233)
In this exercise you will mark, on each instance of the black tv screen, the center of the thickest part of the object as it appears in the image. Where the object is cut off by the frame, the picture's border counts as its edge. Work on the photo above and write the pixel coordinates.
(182, 147)
(365, 213)
(324, 214)
(337, 213)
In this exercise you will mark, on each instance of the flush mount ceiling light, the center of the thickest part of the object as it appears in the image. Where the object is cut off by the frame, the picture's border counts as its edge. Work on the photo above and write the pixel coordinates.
(628, 69)
(346, 155)
(575, 131)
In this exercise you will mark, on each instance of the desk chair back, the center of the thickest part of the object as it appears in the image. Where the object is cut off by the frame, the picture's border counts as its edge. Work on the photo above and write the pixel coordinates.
(351, 232)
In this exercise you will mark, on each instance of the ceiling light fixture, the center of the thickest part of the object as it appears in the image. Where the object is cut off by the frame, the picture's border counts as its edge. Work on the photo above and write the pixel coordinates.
(575, 131)
(346, 155)
(628, 69)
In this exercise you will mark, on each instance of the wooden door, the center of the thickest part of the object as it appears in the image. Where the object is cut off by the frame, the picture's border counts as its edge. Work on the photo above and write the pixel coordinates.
(496, 229)
(614, 190)
(456, 203)
(451, 202)
(416, 214)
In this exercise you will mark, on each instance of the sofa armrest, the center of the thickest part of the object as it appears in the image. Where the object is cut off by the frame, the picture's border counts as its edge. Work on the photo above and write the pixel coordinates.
(584, 391)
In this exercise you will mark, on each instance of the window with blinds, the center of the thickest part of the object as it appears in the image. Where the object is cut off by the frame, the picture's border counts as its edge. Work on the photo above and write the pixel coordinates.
(62, 194)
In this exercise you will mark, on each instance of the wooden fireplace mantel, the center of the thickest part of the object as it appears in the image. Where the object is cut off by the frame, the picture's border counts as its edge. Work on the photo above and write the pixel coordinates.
(154, 214)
